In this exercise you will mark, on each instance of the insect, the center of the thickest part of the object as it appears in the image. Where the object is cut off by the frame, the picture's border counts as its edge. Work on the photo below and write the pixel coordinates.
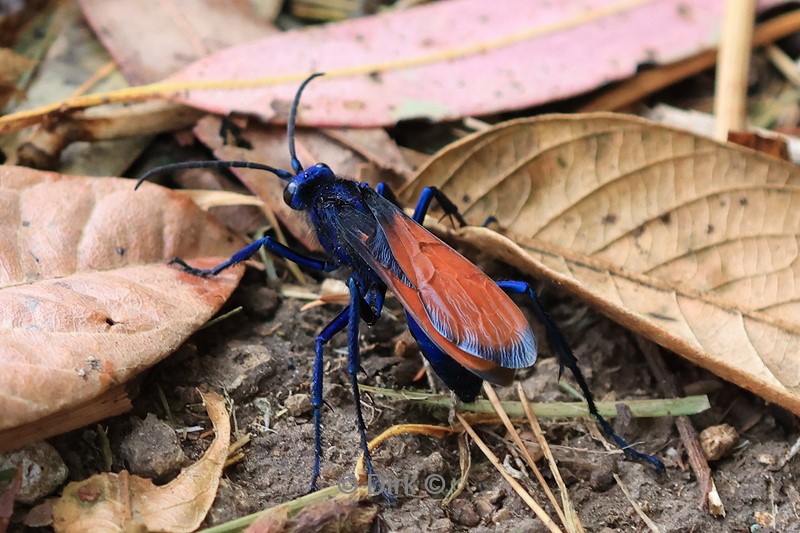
(466, 325)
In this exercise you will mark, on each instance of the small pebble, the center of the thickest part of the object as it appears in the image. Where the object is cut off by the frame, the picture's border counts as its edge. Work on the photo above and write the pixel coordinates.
(717, 441)
(230, 502)
(602, 476)
(152, 450)
(434, 464)
(463, 513)
(767, 459)
(298, 404)
(503, 514)
(494, 496)
(484, 508)
(43, 471)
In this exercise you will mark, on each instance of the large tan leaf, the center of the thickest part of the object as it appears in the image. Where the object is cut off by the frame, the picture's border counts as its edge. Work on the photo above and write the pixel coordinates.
(87, 300)
(692, 243)
(122, 502)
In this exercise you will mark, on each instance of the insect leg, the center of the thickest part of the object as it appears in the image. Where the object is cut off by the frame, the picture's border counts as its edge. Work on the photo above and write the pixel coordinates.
(371, 305)
(245, 253)
(336, 325)
(424, 203)
(353, 367)
(567, 359)
(387, 192)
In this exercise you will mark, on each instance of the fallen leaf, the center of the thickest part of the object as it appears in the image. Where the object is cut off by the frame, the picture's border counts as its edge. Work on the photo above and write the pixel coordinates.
(73, 57)
(453, 59)
(375, 145)
(123, 502)
(87, 300)
(76, 63)
(40, 515)
(177, 33)
(703, 124)
(689, 242)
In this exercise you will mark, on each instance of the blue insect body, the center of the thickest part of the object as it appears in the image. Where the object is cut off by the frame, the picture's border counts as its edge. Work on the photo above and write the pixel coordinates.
(465, 324)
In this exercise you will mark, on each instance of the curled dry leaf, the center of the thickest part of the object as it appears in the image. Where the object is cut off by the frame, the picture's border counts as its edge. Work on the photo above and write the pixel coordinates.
(123, 502)
(87, 300)
(691, 243)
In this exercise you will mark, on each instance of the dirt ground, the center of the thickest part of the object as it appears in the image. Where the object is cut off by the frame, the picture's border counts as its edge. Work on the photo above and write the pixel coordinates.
(263, 356)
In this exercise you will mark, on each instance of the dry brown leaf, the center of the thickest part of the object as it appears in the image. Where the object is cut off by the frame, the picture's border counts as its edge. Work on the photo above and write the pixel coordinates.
(692, 243)
(87, 300)
(123, 502)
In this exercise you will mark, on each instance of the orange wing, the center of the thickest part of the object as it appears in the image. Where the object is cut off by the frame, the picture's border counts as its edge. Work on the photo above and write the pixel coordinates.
(488, 370)
(461, 303)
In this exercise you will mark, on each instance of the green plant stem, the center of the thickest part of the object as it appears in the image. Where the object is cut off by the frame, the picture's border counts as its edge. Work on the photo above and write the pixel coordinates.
(689, 405)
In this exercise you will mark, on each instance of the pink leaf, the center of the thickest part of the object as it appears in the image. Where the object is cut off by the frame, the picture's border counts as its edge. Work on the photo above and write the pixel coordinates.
(455, 58)
(151, 39)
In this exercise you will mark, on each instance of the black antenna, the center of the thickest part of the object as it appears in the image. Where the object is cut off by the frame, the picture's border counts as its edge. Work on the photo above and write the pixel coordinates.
(282, 174)
(296, 166)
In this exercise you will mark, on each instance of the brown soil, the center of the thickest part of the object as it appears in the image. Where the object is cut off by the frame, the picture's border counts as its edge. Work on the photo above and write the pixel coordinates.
(266, 352)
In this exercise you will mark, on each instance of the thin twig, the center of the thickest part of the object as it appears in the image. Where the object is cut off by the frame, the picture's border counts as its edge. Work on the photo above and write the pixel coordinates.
(572, 516)
(649, 81)
(689, 437)
(524, 451)
(519, 489)
(785, 64)
(464, 463)
(730, 100)
(639, 408)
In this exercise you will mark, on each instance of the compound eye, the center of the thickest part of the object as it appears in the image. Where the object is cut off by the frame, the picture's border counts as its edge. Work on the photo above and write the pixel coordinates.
(289, 192)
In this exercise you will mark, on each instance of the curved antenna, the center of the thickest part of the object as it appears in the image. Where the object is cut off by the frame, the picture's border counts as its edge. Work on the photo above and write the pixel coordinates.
(282, 174)
(296, 166)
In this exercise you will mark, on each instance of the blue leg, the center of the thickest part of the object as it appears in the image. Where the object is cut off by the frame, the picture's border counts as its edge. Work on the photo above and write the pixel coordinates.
(568, 359)
(353, 367)
(336, 325)
(424, 203)
(247, 252)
